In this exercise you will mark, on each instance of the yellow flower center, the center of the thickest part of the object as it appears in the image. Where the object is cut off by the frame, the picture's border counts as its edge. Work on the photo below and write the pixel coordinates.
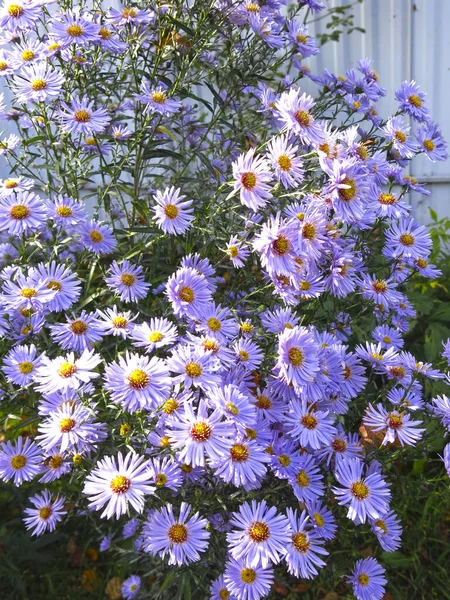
(15, 10)
(3, 65)
(348, 193)
(138, 379)
(305, 286)
(171, 211)
(319, 520)
(284, 162)
(429, 145)
(248, 575)
(160, 479)
(339, 445)
(187, 294)
(170, 406)
(201, 432)
(120, 484)
(362, 152)
(382, 525)
(28, 292)
(119, 322)
(127, 279)
(82, 116)
(359, 490)
(295, 356)
(96, 236)
(54, 285)
(309, 421)
(38, 84)
(45, 512)
(25, 367)
(125, 429)
(400, 136)
(244, 355)
(281, 245)
(75, 30)
(78, 327)
(232, 408)
(309, 231)
(67, 424)
(395, 421)
(259, 532)
(302, 479)
(248, 180)
(264, 402)
(246, 327)
(302, 38)
(18, 462)
(10, 184)
(415, 100)
(19, 212)
(300, 542)
(193, 370)
(363, 579)
(407, 239)
(158, 97)
(284, 460)
(105, 34)
(379, 286)
(67, 369)
(239, 453)
(178, 533)
(55, 461)
(224, 594)
(233, 251)
(129, 12)
(387, 199)
(64, 211)
(155, 336)
(303, 118)
(214, 324)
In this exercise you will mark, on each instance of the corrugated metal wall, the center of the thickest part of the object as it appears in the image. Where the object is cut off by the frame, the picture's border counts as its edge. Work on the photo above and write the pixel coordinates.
(407, 40)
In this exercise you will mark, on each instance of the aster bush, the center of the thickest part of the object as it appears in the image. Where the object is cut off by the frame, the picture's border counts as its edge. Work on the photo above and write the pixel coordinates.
(204, 361)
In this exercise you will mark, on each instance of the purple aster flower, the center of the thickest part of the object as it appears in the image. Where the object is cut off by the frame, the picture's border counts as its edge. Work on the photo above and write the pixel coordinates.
(66, 212)
(117, 481)
(54, 467)
(286, 164)
(242, 464)
(446, 352)
(71, 428)
(277, 246)
(16, 15)
(285, 459)
(310, 427)
(298, 359)
(7, 66)
(66, 372)
(251, 178)
(380, 291)
(342, 446)
(307, 481)
(365, 496)
(114, 322)
(19, 462)
(441, 408)
(220, 591)
(347, 188)
(156, 100)
(172, 214)
(388, 531)
(13, 185)
(395, 424)
(121, 132)
(38, 83)
(321, 519)
(131, 15)
(432, 142)
(410, 399)
(105, 543)
(26, 293)
(188, 292)
(8, 145)
(127, 281)
(303, 43)
(73, 28)
(248, 353)
(97, 237)
(368, 580)
(164, 472)
(407, 239)
(80, 117)
(130, 529)
(193, 367)
(412, 101)
(137, 382)
(396, 131)
(131, 586)
(261, 536)
(196, 434)
(304, 547)
(23, 212)
(218, 322)
(46, 514)
(295, 112)
(20, 364)
(157, 333)
(388, 336)
(182, 537)
(78, 333)
(278, 320)
(234, 404)
(238, 252)
(247, 583)
(110, 41)
(61, 281)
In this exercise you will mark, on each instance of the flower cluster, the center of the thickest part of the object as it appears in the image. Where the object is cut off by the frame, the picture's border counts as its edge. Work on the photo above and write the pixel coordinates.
(186, 342)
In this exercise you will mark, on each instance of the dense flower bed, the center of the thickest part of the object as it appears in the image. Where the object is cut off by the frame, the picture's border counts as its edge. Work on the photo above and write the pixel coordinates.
(189, 243)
